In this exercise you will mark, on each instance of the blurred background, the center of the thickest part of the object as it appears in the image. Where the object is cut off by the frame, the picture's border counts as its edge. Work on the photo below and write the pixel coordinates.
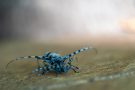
(68, 21)
(33, 27)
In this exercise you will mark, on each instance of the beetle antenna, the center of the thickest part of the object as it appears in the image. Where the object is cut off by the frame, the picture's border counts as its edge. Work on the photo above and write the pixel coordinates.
(37, 57)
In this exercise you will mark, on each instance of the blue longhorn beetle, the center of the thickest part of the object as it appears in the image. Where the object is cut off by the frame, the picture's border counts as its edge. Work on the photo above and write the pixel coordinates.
(55, 62)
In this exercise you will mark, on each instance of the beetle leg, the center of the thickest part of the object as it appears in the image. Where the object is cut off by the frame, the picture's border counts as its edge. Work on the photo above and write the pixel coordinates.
(75, 69)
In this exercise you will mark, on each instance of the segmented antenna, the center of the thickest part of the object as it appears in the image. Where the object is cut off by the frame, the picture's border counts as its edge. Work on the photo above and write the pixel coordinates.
(78, 51)
(27, 57)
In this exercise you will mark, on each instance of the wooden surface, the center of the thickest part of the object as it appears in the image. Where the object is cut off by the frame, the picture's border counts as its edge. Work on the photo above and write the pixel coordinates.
(111, 69)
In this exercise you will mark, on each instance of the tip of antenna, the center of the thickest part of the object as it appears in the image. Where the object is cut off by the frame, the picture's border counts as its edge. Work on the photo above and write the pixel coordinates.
(93, 49)
(9, 63)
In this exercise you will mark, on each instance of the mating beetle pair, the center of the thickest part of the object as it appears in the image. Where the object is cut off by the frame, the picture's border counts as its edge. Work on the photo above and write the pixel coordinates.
(55, 62)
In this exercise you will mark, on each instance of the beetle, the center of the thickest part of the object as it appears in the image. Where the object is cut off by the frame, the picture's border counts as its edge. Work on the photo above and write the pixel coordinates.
(52, 61)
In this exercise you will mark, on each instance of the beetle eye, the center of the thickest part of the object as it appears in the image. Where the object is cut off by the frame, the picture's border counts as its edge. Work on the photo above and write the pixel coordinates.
(49, 57)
